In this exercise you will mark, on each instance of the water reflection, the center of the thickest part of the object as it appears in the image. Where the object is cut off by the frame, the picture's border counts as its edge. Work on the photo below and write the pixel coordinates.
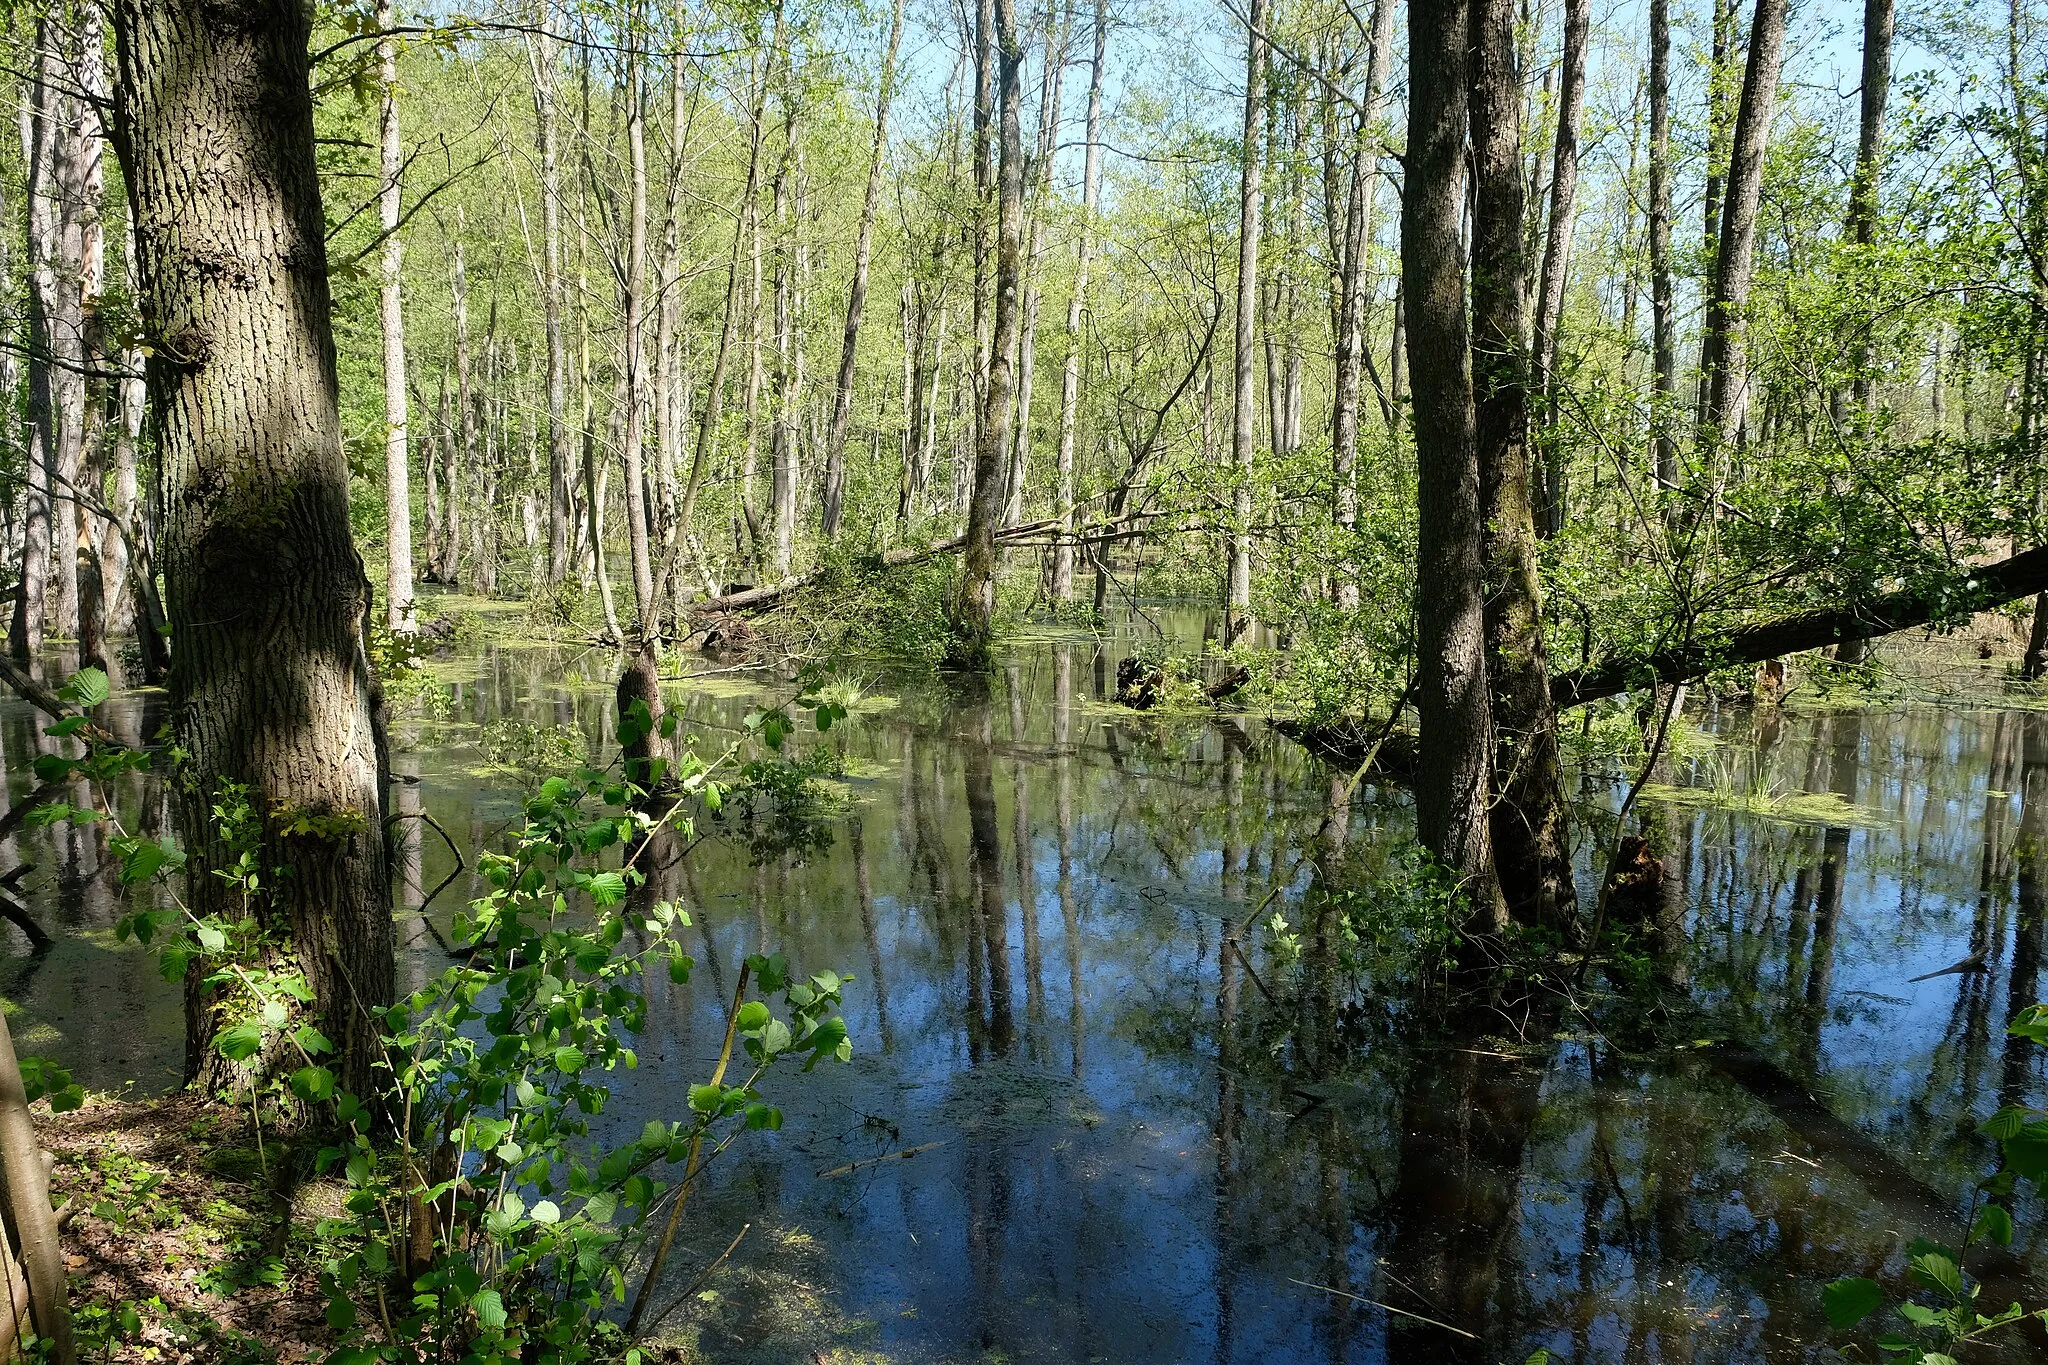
(1159, 1141)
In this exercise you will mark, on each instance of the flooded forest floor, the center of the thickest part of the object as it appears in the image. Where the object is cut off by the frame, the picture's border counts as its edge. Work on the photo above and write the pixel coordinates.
(1169, 1035)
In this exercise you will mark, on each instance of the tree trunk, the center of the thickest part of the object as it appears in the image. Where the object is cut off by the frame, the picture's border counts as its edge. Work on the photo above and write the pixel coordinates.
(1532, 853)
(398, 614)
(975, 607)
(29, 1218)
(714, 392)
(77, 264)
(1863, 186)
(39, 150)
(1452, 791)
(1355, 243)
(126, 555)
(1077, 306)
(462, 452)
(1237, 595)
(268, 602)
(1723, 364)
(1557, 249)
(1049, 91)
(857, 294)
(547, 121)
(783, 451)
(635, 378)
(1663, 317)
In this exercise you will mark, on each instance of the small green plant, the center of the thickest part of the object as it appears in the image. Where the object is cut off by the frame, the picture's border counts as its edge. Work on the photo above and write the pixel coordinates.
(497, 1227)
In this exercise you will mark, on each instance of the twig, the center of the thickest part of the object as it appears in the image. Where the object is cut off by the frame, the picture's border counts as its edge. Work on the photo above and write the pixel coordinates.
(1375, 1303)
(702, 1276)
(675, 1210)
(906, 1154)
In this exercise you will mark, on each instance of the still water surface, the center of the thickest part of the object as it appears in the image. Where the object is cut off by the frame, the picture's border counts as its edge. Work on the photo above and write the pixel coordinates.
(1148, 1136)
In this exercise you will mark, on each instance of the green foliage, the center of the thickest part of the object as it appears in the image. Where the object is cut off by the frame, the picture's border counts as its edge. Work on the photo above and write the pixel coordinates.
(44, 1079)
(499, 1068)
(1401, 917)
(531, 750)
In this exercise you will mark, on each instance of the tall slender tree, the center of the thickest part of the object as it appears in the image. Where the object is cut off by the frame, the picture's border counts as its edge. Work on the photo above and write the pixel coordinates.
(398, 610)
(1077, 306)
(973, 616)
(1531, 854)
(1557, 249)
(1453, 781)
(1237, 587)
(1724, 367)
(857, 292)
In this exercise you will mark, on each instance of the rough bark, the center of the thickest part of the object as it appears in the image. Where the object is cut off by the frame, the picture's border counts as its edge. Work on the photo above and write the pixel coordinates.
(857, 292)
(1077, 306)
(1557, 248)
(398, 614)
(268, 600)
(974, 608)
(1723, 366)
(1453, 787)
(1237, 591)
(1531, 850)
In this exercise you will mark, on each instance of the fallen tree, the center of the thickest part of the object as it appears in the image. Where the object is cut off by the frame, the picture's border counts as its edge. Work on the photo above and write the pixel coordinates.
(1023, 534)
(1992, 585)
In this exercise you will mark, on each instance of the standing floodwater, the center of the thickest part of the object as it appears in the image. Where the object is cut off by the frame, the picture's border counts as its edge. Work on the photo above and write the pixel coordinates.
(1104, 1107)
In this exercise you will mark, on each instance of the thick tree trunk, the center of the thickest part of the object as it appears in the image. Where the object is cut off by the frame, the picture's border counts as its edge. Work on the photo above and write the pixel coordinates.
(1723, 363)
(398, 614)
(268, 602)
(1077, 306)
(975, 606)
(1663, 316)
(1532, 854)
(1557, 249)
(1453, 788)
(547, 122)
(857, 293)
(1237, 588)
